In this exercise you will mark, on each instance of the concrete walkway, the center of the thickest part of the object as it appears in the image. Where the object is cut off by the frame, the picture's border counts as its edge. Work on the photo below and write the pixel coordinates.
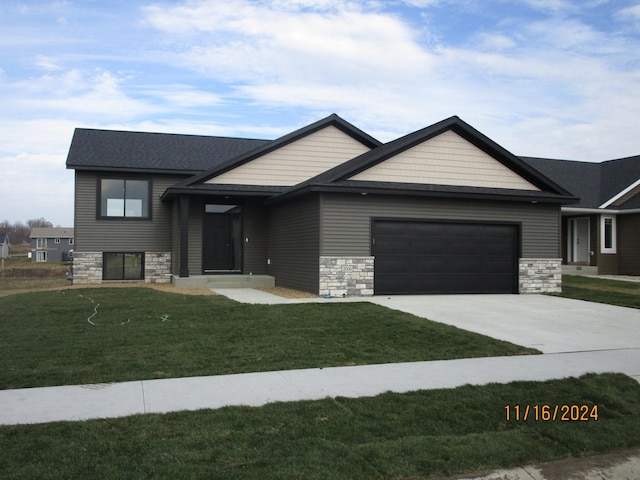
(84, 402)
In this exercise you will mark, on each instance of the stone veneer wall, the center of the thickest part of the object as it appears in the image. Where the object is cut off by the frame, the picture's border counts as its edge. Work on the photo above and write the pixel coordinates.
(157, 267)
(87, 267)
(346, 276)
(540, 275)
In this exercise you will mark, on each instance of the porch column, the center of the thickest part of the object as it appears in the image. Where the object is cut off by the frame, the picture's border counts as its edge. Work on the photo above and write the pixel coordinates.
(184, 236)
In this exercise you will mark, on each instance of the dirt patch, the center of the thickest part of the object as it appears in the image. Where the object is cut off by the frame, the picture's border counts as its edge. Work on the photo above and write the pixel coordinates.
(163, 287)
(287, 292)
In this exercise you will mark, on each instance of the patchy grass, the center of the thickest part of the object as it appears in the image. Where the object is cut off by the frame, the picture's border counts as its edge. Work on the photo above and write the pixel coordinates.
(77, 336)
(21, 275)
(613, 292)
(415, 435)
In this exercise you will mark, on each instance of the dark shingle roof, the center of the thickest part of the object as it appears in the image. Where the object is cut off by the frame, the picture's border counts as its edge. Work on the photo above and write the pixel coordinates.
(136, 151)
(593, 183)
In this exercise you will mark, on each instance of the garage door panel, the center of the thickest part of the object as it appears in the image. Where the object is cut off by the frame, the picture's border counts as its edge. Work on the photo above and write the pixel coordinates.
(444, 257)
(391, 245)
(394, 264)
(428, 263)
(427, 245)
(392, 283)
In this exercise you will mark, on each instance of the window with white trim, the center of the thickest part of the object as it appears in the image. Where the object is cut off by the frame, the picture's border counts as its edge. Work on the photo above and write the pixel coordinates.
(71, 241)
(41, 256)
(57, 240)
(41, 243)
(608, 234)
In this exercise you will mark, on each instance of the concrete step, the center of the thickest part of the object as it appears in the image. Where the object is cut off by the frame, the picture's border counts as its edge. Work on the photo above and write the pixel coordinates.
(225, 281)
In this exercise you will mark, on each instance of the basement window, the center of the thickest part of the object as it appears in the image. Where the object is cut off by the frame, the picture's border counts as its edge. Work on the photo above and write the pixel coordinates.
(123, 266)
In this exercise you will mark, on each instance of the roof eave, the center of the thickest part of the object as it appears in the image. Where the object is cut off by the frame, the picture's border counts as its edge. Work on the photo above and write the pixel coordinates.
(407, 190)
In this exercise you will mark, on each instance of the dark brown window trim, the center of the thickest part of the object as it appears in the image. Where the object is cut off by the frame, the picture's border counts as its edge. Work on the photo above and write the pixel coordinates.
(99, 215)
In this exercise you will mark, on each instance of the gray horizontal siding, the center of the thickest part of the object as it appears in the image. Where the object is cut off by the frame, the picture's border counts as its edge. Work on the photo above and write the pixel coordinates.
(254, 228)
(628, 237)
(196, 214)
(346, 220)
(93, 235)
(293, 245)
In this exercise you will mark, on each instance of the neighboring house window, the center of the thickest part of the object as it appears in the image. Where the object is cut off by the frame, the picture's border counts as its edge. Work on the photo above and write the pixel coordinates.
(71, 241)
(608, 234)
(123, 266)
(124, 198)
(57, 240)
(41, 256)
(41, 243)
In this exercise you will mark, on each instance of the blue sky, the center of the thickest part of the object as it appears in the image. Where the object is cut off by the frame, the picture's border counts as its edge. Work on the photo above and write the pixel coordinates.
(548, 78)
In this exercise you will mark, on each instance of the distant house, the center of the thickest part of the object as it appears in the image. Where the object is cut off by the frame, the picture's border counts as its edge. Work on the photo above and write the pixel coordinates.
(4, 246)
(52, 244)
(600, 233)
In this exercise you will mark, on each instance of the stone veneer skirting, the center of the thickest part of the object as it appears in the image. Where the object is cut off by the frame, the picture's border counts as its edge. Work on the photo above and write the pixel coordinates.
(157, 267)
(346, 276)
(87, 267)
(540, 275)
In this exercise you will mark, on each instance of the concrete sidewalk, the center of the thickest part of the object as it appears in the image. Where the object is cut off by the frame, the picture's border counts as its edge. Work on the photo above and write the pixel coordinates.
(84, 402)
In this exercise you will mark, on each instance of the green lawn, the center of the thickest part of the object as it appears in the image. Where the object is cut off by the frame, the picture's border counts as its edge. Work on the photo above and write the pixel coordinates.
(77, 336)
(613, 292)
(392, 436)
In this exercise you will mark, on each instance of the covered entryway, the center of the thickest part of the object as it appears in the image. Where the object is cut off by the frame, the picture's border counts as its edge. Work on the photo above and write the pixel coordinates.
(417, 257)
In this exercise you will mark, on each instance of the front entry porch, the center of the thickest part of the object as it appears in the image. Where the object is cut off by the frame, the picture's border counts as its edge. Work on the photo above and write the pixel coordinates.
(224, 281)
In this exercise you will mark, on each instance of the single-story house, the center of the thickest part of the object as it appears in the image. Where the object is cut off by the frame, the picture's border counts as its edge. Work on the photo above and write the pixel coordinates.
(52, 244)
(326, 209)
(600, 233)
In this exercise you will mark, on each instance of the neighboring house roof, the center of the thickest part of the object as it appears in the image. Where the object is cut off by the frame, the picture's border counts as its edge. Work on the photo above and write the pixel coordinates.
(51, 232)
(4, 239)
(153, 152)
(614, 184)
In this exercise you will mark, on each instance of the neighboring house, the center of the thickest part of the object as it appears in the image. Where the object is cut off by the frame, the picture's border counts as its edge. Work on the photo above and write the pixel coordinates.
(326, 209)
(50, 244)
(4, 246)
(602, 230)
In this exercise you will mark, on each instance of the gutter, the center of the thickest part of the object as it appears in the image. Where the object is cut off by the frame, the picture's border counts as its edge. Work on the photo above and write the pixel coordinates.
(598, 210)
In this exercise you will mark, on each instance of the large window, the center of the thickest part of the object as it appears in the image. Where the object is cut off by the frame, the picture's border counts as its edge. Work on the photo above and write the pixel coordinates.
(123, 266)
(41, 256)
(608, 234)
(41, 243)
(124, 198)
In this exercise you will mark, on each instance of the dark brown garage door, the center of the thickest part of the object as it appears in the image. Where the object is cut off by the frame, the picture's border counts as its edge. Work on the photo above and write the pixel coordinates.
(415, 257)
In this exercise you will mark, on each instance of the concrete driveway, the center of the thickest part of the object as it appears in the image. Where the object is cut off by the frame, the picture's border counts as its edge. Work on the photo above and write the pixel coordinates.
(549, 324)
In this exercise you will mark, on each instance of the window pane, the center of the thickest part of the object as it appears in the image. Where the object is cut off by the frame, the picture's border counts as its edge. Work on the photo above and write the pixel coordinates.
(133, 266)
(608, 233)
(111, 198)
(137, 195)
(112, 268)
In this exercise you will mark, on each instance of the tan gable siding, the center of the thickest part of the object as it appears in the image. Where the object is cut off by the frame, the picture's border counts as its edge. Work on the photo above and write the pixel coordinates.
(297, 161)
(447, 159)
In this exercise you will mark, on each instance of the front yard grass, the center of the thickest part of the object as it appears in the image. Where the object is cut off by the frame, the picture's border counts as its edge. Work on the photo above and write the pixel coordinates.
(414, 435)
(79, 336)
(613, 292)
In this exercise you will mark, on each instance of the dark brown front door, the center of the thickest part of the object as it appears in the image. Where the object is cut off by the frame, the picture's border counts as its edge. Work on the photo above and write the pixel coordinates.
(217, 255)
